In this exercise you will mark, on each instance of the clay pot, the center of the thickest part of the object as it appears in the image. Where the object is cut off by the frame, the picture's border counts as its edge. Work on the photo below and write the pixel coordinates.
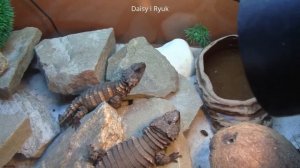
(250, 145)
(225, 90)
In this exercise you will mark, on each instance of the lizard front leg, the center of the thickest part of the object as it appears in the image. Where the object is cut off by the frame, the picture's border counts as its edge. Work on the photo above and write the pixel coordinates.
(115, 101)
(75, 123)
(161, 158)
(95, 155)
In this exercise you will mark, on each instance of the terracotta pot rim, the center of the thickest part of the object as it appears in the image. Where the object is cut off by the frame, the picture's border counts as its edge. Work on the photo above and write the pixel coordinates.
(205, 81)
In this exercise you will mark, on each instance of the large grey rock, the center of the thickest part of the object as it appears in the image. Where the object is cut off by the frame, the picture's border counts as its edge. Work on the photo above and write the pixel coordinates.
(139, 115)
(19, 161)
(53, 103)
(102, 128)
(3, 64)
(113, 62)
(15, 129)
(187, 101)
(74, 62)
(43, 126)
(19, 53)
(160, 77)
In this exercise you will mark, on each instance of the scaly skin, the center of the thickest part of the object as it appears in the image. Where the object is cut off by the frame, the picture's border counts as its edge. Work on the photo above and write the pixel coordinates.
(144, 151)
(111, 92)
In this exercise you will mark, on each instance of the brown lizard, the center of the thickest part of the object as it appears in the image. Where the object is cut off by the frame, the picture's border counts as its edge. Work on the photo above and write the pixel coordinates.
(111, 92)
(145, 151)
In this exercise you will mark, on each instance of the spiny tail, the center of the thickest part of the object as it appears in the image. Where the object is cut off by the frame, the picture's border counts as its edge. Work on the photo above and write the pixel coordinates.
(70, 111)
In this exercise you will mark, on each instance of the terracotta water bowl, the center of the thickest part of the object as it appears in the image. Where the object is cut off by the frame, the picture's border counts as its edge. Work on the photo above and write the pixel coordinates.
(227, 97)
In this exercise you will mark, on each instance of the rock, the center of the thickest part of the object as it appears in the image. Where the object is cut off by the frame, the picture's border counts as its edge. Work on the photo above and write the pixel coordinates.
(43, 126)
(19, 161)
(3, 64)
(158, 80)
(179, 55)
(119, 46)
(74, 62)
(175, 24)
(288, 126)
(196, 51)
(187, 101)
(252, 145)
(114, 60)
(15, 129)
(139, 115)
(19, 53)
(197, 142)
(35, 84)
(101, 127)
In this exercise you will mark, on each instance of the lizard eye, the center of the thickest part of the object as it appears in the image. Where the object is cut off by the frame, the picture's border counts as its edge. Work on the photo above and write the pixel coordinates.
(169, 122)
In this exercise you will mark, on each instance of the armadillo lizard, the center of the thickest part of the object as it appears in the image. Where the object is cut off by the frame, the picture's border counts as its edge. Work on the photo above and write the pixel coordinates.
(111, 92)
(144, 151)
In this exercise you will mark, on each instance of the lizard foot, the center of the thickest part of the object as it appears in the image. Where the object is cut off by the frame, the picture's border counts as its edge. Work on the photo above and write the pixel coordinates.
(95, 155)
(162, 159)
(75, 123)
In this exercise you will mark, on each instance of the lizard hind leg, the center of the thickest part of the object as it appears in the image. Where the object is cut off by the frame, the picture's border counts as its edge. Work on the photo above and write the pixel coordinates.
(75, 123)
(115, 102)
(161, 158)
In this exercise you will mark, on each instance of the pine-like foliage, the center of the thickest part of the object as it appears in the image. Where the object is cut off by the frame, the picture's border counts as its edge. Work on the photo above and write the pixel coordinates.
(6, 21)
(198, 34)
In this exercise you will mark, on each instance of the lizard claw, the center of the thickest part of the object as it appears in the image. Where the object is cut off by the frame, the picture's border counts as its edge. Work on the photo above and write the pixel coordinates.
(174, 156)
(76, 123)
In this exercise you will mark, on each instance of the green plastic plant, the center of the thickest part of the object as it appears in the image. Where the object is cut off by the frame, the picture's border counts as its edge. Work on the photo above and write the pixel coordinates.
(198, 34)
(6, 21)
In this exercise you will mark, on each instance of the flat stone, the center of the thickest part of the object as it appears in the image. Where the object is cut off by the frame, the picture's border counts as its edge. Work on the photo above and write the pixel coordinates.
(3, 64)
(101, 127)
(199, 143)
(138, 115)
(15, 129)
(187, 101)
(74, 62)
(287, 126)
(43, 126)
(19, 53)
(179, 54)
(160, 77)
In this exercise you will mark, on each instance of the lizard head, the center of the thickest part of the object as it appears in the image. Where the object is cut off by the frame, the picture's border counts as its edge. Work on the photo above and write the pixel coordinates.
(168, 124)
(132, 75)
